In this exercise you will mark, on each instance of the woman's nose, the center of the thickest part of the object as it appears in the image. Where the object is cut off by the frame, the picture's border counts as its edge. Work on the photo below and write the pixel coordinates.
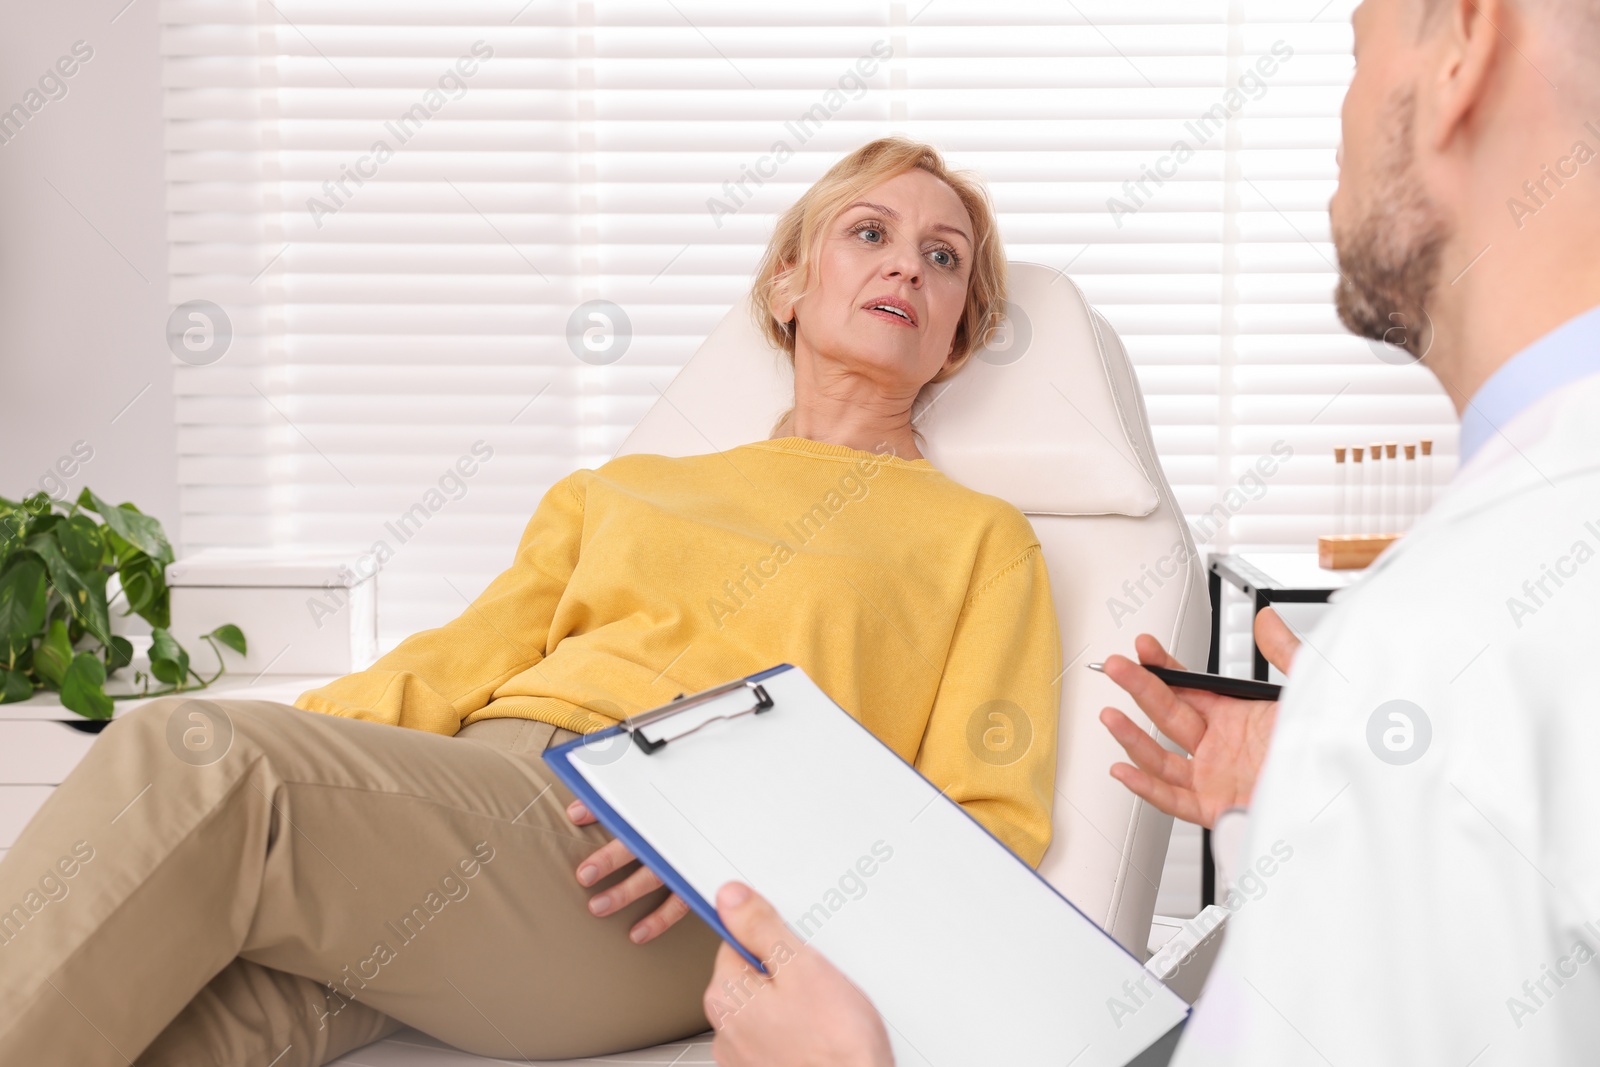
(900, 267)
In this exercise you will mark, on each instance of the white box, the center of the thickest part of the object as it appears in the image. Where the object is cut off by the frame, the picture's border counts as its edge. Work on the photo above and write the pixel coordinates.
(299, 614)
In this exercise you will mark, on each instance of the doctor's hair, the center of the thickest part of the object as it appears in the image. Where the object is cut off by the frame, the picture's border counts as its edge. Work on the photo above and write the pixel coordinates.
(785, 274)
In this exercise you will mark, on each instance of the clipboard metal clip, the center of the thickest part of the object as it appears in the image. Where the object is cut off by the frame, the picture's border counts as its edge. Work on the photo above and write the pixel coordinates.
(636, 726)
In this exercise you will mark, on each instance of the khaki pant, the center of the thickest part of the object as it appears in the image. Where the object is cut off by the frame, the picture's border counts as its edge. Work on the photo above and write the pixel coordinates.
(244, 883)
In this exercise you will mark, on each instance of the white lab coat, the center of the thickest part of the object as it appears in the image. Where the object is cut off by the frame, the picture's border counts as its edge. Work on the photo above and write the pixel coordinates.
(1446, 910)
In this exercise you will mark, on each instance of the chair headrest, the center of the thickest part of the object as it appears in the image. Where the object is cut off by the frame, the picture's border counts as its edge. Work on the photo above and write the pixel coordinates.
(1042, 417)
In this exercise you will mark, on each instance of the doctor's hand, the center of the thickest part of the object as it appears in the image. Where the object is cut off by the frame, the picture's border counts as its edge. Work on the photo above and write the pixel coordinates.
(805, 1014)
(614, 855)
(1226, 738)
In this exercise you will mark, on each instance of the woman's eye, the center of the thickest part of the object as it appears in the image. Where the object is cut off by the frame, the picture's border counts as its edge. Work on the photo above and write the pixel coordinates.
(943, 258)
(870, 233)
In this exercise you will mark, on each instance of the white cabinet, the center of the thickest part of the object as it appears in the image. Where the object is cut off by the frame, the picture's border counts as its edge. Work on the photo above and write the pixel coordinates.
(41, 751)
(17, 805)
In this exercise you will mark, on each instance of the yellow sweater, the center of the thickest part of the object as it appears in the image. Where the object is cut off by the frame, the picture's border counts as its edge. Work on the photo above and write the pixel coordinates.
(920, 606)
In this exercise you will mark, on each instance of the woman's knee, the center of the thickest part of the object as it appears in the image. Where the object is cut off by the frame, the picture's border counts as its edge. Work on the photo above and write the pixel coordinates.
(191, 731)
(143, 730)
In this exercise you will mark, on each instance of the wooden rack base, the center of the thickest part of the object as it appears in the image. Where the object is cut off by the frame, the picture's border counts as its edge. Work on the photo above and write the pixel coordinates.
(1351, 552)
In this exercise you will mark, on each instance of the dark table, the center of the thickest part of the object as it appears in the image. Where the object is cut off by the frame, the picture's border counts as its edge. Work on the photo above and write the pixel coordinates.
(1267, 578)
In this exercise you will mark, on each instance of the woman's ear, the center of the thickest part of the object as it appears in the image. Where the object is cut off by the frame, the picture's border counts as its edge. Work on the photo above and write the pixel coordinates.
(782, 310)
(783, 315)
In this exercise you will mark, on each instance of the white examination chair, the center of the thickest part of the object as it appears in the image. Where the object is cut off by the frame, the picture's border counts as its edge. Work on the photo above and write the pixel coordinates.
(1050, 418)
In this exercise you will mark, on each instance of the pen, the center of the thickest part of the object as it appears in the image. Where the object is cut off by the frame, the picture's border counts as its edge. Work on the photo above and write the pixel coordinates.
(1243, 688)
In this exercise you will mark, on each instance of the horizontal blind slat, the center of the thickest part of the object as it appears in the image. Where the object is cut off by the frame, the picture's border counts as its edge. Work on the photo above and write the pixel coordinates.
(382, 325)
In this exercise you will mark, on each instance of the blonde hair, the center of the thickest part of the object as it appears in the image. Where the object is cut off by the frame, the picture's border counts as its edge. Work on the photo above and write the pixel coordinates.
(784, 276)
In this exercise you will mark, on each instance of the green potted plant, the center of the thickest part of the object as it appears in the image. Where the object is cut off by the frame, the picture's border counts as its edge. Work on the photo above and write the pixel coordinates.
(56, 563)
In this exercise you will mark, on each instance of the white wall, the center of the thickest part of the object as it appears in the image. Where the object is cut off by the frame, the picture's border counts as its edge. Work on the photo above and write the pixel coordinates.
(83, 265)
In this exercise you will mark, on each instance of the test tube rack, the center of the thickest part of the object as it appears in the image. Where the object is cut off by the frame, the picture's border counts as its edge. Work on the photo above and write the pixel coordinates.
(1379, 491)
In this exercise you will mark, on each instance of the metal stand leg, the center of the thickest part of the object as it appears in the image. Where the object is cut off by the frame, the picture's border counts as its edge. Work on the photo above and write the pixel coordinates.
(1208, 870)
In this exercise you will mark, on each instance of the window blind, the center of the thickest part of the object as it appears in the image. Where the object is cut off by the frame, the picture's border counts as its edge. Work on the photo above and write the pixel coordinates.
(406, 211)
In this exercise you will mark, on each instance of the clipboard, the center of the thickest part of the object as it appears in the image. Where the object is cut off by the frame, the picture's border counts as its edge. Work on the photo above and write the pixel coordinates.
(969, 955)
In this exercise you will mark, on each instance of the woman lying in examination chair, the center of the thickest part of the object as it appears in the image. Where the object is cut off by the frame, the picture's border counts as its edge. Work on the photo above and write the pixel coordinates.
(320, 878)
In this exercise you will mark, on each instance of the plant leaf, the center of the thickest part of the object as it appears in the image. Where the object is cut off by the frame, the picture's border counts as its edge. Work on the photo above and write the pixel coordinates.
(168, 660)
(146, 589)
(13, 531)
(80, 542)
(17, 650)
(80, 597)
(117, 546)
(22, 599)
(137, 529)
(230, 635)
(95, 582)
(54, 655)
(14, 686)
(119, 653)
(83, 690)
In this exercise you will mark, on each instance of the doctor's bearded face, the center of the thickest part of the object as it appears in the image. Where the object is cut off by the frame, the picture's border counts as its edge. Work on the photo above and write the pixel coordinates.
(1387, 229)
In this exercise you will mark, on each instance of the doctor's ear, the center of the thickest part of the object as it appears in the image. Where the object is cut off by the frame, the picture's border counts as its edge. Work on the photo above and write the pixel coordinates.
(1472, 47)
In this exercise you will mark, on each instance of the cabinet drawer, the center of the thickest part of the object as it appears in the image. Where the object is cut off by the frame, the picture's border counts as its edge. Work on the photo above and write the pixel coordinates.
(40, 751)
(17, 805)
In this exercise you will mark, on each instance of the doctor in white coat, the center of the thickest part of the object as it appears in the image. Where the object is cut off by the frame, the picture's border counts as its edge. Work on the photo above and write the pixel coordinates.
(1435, 763)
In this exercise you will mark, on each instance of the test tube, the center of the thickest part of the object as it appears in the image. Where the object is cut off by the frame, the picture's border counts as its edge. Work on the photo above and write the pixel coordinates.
(1341, 519)
(1392, 489)
(1358, 492)
(1411, 486)
(1376, 475)
(1426, 474)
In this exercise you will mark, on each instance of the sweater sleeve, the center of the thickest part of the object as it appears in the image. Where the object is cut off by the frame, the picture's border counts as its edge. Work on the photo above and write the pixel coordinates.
(434, 679)
(991, 739)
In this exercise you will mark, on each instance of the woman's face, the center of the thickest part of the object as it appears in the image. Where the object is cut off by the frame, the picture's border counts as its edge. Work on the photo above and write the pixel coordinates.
(890, 283)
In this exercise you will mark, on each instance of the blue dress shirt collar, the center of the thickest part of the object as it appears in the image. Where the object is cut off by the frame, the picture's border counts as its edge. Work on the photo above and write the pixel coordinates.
(1562, 356)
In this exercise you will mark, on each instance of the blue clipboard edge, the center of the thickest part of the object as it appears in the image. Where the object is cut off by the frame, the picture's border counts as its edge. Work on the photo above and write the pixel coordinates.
(623, 831)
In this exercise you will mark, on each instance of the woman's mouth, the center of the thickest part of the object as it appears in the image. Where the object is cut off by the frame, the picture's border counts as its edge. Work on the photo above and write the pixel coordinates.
(891, 309)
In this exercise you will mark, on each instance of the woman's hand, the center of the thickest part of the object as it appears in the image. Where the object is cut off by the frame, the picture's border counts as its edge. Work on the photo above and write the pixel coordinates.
(1226, 738)
(612, 856)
